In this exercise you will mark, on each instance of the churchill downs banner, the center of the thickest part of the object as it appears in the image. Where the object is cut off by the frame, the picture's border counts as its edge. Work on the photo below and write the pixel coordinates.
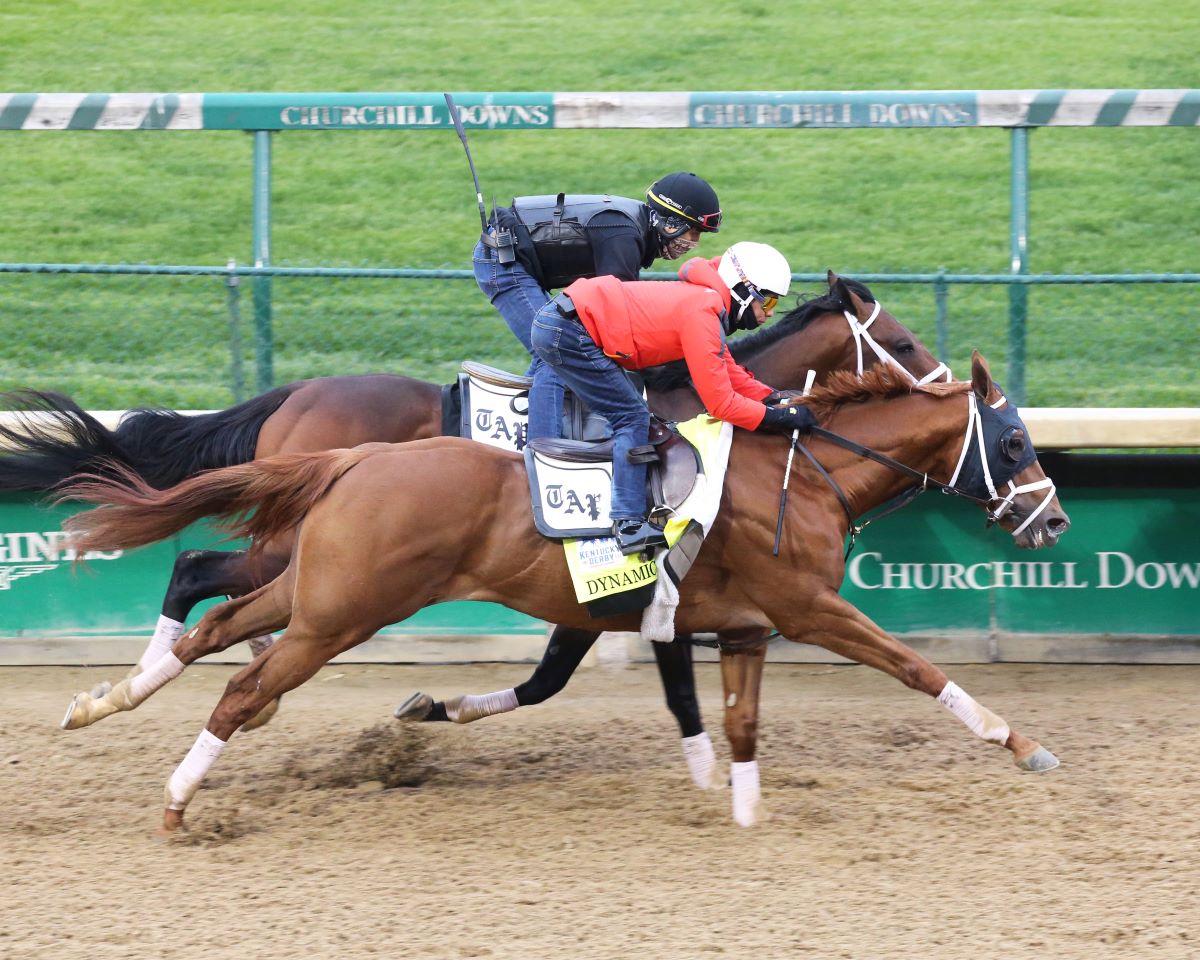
(1129, 565)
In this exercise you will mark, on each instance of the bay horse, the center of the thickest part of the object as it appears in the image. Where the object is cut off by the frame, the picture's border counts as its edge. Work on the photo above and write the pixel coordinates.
(367, 554)
(845, 329)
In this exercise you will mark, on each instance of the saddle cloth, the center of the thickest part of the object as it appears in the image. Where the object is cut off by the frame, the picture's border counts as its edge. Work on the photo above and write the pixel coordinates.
(611, 584)
(492, 406)
(570, 481)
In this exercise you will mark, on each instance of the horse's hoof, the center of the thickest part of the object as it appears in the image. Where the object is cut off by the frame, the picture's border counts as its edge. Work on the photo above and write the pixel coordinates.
(415, 709)
(1039, 761)
(68, 720)
(102, 689)
(172, 823)
(81, 712)
(263, 716)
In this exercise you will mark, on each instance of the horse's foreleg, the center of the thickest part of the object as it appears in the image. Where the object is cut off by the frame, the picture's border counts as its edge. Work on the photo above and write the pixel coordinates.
(838, 626)
(678, 674)
(564, 652)
(741, 677)
(263, 610)
(199, 575)
(283, 667)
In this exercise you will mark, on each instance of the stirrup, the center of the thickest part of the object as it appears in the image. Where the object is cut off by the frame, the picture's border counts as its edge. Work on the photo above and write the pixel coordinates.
(636, 534)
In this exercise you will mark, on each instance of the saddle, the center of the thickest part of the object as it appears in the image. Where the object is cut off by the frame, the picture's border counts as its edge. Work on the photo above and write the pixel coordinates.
(570, 481)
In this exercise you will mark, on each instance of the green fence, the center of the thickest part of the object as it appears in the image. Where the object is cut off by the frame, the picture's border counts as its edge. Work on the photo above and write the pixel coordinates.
(187, 337)
(284, 320)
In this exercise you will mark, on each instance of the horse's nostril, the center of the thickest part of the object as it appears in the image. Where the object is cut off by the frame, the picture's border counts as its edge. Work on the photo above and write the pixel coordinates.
(1057, 526)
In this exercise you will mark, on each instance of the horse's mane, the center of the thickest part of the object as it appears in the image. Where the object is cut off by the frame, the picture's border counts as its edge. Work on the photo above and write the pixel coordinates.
(672, 376)
(878, 383)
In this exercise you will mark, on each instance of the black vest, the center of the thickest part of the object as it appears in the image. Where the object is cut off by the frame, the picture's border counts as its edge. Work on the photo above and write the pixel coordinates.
(557, 227)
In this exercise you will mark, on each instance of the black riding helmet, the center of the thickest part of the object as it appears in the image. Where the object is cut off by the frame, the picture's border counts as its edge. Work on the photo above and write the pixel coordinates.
(683, 202)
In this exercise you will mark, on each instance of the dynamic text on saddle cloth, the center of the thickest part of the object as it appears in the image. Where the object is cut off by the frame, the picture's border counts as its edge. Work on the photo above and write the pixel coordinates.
(598, 569)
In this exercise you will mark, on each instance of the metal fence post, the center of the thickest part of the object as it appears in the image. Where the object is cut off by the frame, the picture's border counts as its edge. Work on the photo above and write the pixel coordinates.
(1018, 293)
(941, 293)
(237, 376)
(263, 337)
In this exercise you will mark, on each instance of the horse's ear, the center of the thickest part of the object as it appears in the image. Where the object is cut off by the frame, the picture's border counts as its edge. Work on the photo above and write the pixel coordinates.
(846, 297)
(981, 376)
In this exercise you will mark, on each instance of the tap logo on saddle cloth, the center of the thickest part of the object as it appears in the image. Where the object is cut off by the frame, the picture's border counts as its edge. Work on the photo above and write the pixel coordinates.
(496, 415)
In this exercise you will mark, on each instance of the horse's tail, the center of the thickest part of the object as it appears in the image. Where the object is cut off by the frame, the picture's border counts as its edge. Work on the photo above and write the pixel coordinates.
(259, 499)
(54, 440)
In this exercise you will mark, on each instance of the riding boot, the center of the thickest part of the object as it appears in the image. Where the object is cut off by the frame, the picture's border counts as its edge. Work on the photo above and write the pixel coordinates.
(635, 534)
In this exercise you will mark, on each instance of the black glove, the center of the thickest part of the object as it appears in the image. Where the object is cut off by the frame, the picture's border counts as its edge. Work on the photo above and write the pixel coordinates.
(781, 396)
(787, 419)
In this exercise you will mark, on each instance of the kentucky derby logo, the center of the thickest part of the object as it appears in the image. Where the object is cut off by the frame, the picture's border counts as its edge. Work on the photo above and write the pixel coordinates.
(27, 553)
(568, 501)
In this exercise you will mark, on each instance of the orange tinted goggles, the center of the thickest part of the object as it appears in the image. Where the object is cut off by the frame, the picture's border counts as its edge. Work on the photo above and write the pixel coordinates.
(768, 301)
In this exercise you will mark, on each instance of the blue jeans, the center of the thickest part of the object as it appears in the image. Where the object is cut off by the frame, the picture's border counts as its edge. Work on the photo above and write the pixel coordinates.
(517, 295)
(567, 348)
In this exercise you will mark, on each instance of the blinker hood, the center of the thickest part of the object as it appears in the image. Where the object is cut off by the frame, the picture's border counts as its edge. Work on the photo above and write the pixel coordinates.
(997, 426)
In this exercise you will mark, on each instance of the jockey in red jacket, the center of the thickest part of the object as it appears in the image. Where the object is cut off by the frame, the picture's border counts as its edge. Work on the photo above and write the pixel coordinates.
(601, 324)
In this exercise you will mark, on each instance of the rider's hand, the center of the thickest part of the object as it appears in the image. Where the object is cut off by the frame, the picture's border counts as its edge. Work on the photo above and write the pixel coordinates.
(787, 419)
(782, 396)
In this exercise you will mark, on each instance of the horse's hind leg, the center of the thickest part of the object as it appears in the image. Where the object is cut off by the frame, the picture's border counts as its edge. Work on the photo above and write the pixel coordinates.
(261, 611)
(282, 667)
(564, 652)
(678, 675)
(836, 625)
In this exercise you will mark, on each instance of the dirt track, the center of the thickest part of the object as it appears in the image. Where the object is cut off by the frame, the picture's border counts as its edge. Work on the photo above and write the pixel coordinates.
(572, 830)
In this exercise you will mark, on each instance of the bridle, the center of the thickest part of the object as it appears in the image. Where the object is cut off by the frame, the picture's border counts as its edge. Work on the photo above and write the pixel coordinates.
(974, 431)
(860, 331)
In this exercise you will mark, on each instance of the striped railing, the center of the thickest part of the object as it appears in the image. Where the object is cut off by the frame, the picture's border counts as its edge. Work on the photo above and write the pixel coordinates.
(533, 110)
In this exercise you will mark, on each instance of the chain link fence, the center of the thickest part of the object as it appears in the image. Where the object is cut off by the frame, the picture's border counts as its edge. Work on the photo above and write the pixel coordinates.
(190, 337)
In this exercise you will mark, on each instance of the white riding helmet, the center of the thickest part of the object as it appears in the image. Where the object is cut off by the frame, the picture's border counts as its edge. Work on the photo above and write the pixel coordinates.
(753, 271)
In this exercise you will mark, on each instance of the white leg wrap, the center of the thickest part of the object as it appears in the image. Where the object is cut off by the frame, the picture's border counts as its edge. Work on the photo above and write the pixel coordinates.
(701, 760)
(187, 776)
(471, 707)
(746, 794)
(167, 667)
(166, 632)
(979, 719)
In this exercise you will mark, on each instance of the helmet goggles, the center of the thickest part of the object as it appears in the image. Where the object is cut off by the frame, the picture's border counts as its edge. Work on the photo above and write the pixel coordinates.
(675, 221)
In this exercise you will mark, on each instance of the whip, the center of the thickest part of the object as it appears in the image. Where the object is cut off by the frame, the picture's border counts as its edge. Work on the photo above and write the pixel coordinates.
(783, 494)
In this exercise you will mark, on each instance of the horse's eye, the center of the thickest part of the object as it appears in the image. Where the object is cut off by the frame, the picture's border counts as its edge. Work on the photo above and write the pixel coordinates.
(1013, 444)
(906, 347)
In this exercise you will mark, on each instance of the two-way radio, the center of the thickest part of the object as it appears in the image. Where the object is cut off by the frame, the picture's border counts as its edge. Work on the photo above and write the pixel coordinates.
(505, 242)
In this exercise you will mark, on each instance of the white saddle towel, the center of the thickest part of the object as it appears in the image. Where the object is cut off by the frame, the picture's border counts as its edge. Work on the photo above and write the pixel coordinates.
(658, 619)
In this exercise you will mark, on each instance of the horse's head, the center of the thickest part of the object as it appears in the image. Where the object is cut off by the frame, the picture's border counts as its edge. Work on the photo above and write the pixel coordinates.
(999, 465)
(845, 329)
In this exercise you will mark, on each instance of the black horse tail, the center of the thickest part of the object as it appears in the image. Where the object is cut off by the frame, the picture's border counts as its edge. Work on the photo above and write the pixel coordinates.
(54, 439)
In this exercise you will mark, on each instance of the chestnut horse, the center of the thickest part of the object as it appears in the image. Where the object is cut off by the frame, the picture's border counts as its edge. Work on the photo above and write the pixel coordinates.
(165, 448)
(367, 554)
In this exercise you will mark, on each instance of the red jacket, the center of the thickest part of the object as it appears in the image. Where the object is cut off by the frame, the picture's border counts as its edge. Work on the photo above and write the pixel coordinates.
(642, 323)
